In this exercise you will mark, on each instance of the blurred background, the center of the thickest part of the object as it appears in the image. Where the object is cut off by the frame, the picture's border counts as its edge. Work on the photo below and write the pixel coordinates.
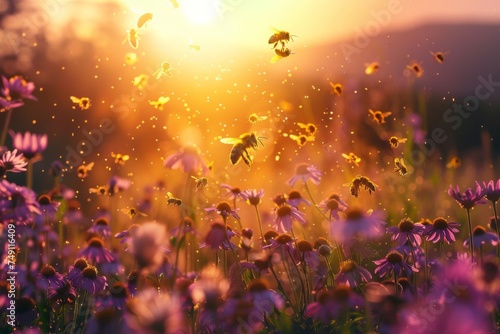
(221, 73)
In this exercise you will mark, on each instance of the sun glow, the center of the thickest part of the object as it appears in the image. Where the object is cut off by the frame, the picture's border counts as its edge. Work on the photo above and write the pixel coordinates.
(199, 11)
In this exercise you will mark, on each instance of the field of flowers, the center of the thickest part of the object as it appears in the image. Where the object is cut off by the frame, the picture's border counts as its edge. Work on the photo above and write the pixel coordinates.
(292, 215)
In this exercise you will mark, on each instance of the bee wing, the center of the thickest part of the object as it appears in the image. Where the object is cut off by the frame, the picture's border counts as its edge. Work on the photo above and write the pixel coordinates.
(275, 58)
(126, 211)
(157, 74)
(345, 156)
(89, 166)
(74, 99)
(402, 140)
(169, 195)
(388, 113)
(348, 184)
(371, 111)
(133, 41)
(302, 125)
(231, 141)
(194, 177)
(294, 137)
(145, 18)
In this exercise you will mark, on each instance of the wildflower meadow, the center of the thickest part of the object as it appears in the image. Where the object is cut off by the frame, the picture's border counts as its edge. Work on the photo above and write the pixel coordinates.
(249, 167)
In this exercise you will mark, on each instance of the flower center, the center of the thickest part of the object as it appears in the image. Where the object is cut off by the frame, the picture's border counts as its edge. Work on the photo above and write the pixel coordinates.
(294, 194)
(106, 315)
(236, 190)
(324, 250)
(283, 239)
(354, 214)
(90, 272)
(394, 257)
(223, 207)
(332, 204)
(81, 264)
(478, 230)
(284, 211)
(102, 222)
(440, 223)
(302, 169)
(405, 225)
(95, 242)
(258, 286)
(320, 242)
(341, 293)
(48, 271)
(271, 234)
(324, 296)
(347, 266)
(262, 264)
(304, 246)
(25, 304)
(119, 290)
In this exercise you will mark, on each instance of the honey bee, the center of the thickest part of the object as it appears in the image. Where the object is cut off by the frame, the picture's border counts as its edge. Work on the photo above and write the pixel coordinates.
(280, 37)
(302, 139)
(164, 69)
(360, 182)
(172, 200)
(200, 182)
(141, 81)
(254, 118)
(438, 56)
(400, 166)
(133, 38)
(158, 104)
(379, 116)
(336, 88)
(100, 190)
(416, 69)
(144, 19)
(372, 68)
(309, 127)
(280, 54)
(83, 170)
(240, 146)
(352, 158)
(83, 102)
(132, 212)
(395, 141)
(120, 158)
(454, 162)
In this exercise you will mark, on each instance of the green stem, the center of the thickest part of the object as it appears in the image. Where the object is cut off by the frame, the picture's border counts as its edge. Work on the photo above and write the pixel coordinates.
(300, 278)
(280, 287)
(496, 226)
(260, 222)
(396, 282)
(29, 175)
(6, 127)
(471, 243)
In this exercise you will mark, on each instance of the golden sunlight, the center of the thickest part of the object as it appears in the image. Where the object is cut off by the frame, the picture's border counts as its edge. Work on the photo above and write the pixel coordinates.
(199, 11)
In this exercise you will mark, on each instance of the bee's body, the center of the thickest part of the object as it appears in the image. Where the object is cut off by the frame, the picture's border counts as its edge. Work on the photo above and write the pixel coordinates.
(241, 146)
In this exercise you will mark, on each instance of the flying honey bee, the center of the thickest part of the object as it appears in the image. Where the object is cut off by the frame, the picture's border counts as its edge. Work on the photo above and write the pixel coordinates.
(372, 68)
(352, 158)
(101, 190)
(309, 127)
(438, 56)
(164, 69)
(395, 141)
(133, 38)
(400, 166)
(336, 88)
(158, 104)
(140, 81)
(379, 116)
(132, 212)
(280, 54)
(240, 146)
(302, 139)
(144, 19)
(416, 69)
(254, 118)
(83, 102)
(120, 159)
(83, 170)
(200, 182)
(172, 200)
(454, 162)
(282, 37)
(360, 182)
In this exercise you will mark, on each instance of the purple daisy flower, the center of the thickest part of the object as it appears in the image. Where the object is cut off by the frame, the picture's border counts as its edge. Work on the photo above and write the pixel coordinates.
(26, 312)
(11, 162)
(333, 204)
(367, 225)
(127, 234)
(188, 160)
(17, 203)
(90, 282)
(284, 217)
(117, 184)
(217, 237)
(481, 237)
(305, 172)
(260, 294)
(17, 88)
(30, 145)
(393, 261)
(308, 254)
(294, 198)
(101, 227)
(224, 209)
(75, 271)
(232, 192)
(469, 198)
(95, 252)
(441, 230)
(352, 274)
(491, 190)
(65, 294)
(117, 298)
(407, 230)
(283, 242)
(252, 196)
(331, 304)
(49, 277)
